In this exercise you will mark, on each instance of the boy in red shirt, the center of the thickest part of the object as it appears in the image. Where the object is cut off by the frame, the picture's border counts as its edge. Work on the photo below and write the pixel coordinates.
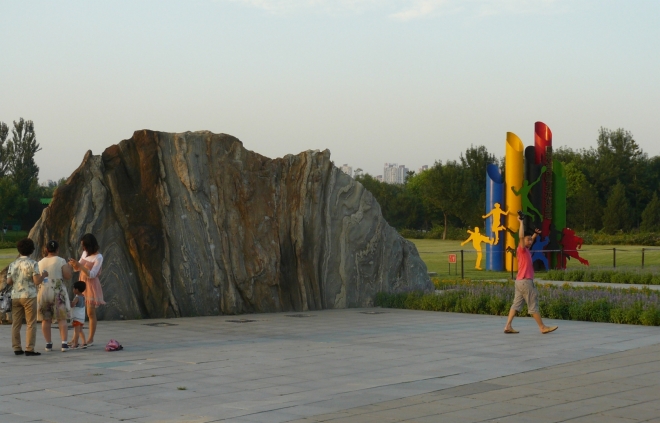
(525, 289)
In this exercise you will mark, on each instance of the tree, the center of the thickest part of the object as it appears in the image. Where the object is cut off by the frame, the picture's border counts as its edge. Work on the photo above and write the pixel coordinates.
(4, 157)
(620, 160)
(21, 151)
(651, 215)
(402, 208)
(48, 190)
(566, 155)
(583, 208)
(416, 186)
(616, 215)
(475, 161)
(446, 189)
(11, 201)
(616, 158)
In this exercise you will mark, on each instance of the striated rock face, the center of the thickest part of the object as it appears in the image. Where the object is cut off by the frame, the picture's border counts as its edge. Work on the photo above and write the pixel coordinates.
(194, 224)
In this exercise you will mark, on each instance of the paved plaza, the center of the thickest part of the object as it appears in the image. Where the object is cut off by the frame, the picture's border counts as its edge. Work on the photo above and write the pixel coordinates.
(355, 365)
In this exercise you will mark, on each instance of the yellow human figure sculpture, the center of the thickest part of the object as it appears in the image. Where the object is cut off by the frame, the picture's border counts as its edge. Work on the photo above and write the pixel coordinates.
(497, 226)
(477, 238)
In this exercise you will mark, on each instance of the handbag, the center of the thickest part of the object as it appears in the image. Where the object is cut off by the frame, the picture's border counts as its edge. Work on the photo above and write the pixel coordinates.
(113, 345)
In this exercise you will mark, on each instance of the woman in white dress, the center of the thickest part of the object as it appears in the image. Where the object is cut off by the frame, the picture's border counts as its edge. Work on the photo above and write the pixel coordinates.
(53, 298)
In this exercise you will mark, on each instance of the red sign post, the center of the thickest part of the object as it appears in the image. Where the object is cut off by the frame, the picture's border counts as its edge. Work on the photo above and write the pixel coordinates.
(452, 260)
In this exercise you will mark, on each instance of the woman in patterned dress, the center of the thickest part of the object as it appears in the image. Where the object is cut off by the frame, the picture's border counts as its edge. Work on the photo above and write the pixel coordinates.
(89, 267)
(53, 298)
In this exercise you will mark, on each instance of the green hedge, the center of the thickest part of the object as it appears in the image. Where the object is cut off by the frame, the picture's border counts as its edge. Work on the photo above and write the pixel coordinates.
(606, 276)
(11, 238)
(631, 238)
(629, 306)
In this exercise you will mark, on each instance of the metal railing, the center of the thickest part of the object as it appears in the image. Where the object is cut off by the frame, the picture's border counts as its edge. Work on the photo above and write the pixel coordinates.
(561, 252)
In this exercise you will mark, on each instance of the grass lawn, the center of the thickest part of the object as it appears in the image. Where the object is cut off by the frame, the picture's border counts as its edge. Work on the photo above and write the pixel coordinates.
(435, 254)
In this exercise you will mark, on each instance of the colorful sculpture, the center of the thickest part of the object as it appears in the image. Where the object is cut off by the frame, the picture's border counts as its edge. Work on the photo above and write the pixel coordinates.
(524, 196)
(477, 238)
(535, 184)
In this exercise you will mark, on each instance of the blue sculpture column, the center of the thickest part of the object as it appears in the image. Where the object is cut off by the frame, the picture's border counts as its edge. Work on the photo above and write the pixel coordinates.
(494, 218)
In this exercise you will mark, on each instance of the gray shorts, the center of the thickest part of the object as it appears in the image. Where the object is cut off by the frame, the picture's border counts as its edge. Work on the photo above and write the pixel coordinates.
(526, 291)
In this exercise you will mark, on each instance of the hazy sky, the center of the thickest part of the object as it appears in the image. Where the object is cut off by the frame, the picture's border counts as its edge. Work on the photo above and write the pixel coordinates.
(407, 81)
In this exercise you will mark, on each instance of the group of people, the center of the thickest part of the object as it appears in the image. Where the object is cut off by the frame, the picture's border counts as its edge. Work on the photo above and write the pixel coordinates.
(38, 292)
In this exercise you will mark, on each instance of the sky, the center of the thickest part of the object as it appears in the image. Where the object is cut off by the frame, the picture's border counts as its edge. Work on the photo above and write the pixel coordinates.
(373, 81)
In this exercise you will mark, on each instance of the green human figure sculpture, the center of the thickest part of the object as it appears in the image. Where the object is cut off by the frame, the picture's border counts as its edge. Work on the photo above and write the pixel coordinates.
(516, 240)
(496, 226)
(477, 238)
(524, 195)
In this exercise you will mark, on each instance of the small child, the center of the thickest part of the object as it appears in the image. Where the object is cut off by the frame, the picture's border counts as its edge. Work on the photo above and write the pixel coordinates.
(78, 315)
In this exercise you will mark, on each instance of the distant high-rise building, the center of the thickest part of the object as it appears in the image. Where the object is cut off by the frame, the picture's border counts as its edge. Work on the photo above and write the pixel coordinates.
(422, 169)
(347, 169)
(394, 173)
(379, 178)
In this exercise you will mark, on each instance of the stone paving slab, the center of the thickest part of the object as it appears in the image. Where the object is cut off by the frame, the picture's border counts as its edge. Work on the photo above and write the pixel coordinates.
(338, 365)
(599, 396)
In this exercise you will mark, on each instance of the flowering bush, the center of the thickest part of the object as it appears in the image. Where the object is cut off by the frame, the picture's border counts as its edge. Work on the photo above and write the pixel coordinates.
(593, 304)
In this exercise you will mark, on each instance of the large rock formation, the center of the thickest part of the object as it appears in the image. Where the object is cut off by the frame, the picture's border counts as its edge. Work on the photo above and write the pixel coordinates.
(194, 224)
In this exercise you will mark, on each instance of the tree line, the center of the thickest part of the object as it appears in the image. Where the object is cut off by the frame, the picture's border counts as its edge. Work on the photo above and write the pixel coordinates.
(20, 192)
(612, 187)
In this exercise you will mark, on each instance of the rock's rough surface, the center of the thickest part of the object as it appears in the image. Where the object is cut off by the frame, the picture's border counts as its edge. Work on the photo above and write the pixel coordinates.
(194, 224)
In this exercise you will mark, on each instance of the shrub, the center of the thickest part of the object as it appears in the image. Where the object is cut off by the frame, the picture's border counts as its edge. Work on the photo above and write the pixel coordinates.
(627, 238)
(630, 306)
(646, 277)
(11, 238)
